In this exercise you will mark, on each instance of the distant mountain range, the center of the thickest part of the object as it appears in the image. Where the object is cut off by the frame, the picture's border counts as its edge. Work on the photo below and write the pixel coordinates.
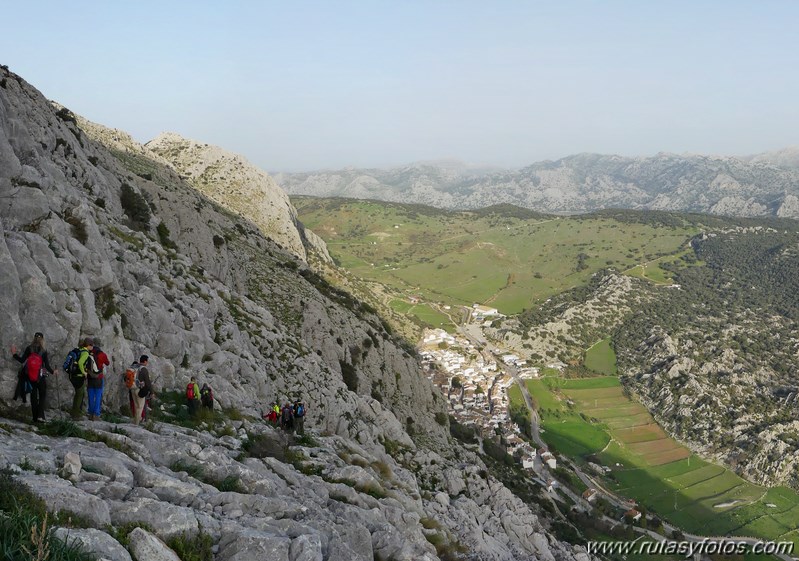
(760, 185)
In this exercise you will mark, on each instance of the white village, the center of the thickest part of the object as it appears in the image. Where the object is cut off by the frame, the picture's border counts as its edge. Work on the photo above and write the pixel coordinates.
(475, 380)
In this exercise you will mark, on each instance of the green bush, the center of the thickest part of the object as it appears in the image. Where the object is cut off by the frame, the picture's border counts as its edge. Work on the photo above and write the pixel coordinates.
(349, 375)
(135, 207)
(265, 446)
(163, 236)
(197, 547)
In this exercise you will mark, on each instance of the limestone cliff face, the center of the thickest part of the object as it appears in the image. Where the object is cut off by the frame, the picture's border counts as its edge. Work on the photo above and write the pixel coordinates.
(203, 293)
(102, 238)
(234, 183)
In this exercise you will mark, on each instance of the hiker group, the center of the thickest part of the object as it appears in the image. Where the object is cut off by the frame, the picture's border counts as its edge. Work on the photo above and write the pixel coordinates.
(291, 417)
(85, 368)
(196, 396)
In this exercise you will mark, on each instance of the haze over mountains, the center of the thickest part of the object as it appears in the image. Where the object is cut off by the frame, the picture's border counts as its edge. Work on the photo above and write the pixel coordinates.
(760, 185)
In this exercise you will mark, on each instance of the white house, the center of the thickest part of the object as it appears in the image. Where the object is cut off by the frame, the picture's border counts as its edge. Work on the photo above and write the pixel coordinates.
(590, 494)
(633, 515)
(485, 310)
(549, 459)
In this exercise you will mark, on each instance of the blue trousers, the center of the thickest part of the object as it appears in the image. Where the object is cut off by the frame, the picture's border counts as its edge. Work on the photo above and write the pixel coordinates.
(95, 400)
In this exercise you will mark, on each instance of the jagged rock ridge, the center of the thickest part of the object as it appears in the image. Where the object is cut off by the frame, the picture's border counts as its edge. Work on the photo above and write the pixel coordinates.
(579, 183)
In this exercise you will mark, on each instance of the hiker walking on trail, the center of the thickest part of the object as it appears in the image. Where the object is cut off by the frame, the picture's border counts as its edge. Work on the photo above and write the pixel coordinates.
(193, 396)
(207, 397)
(95, 381)
(142, 390)
(35, 363)
(79, 372)
(299, 416)
(129, 379)
(287, 417)
(272, 415)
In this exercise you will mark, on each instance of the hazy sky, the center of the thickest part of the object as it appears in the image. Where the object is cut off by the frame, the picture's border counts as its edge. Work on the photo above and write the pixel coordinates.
(308, 85)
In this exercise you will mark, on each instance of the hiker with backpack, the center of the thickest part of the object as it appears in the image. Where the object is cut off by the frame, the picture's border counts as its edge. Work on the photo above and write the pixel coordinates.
(274, 413)
(287, 417)
(142, 388)
(95, 381)
(271, 417)
(35, 363)
(193, 396)
(79, 364)
(129, 381)
(299, 416)
(207, 397)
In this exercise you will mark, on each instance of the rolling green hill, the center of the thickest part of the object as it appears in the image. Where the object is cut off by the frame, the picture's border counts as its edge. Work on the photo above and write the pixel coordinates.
(504, 257)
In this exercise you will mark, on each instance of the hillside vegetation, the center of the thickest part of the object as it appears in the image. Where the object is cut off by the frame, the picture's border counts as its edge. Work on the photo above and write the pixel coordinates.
(505, 257)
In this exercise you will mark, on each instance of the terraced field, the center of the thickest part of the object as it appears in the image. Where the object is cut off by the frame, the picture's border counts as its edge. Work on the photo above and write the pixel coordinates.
(593, 416)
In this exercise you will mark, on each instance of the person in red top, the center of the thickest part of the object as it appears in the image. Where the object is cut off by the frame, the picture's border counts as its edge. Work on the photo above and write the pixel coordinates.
(96, 381)
(38, 387)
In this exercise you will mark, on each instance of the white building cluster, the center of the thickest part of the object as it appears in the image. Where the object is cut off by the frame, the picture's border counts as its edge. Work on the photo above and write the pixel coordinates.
(453, 361)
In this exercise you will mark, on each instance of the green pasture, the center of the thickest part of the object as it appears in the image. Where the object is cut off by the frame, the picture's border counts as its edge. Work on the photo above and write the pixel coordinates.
(400, 306)
(573, 436)
(431, 317)
(651, 272)
(590, 383)
(601, 358)
(543, 398)
(566, 432)
(466, 257)
(698, 496)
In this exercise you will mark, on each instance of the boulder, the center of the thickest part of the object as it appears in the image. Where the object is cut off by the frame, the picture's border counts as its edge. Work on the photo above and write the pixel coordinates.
(95, 541)
(148, 547)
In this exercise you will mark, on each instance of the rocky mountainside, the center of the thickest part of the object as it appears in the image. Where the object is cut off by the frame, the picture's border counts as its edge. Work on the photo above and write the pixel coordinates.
(232, 182)
(580, 183)
(785, 158)
(105, 238)
(716, 360)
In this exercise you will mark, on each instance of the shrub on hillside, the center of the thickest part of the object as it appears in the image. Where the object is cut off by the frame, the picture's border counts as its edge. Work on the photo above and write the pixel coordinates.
(135, 207)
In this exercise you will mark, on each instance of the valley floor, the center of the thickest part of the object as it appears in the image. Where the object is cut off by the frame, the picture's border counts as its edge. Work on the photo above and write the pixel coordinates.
(614, 448)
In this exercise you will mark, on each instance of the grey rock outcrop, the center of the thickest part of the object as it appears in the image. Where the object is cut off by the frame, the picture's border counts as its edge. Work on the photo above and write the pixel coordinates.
(335, 500)
(96, 541)
(237, 185)
(203, 293)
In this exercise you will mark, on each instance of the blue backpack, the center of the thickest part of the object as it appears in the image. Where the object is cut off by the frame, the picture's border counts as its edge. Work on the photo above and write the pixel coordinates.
(71, 363)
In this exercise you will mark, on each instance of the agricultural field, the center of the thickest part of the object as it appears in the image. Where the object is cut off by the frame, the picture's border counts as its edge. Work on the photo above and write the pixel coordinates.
(652, 468)
(461, 258)
(562, 429)
(601, 358)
